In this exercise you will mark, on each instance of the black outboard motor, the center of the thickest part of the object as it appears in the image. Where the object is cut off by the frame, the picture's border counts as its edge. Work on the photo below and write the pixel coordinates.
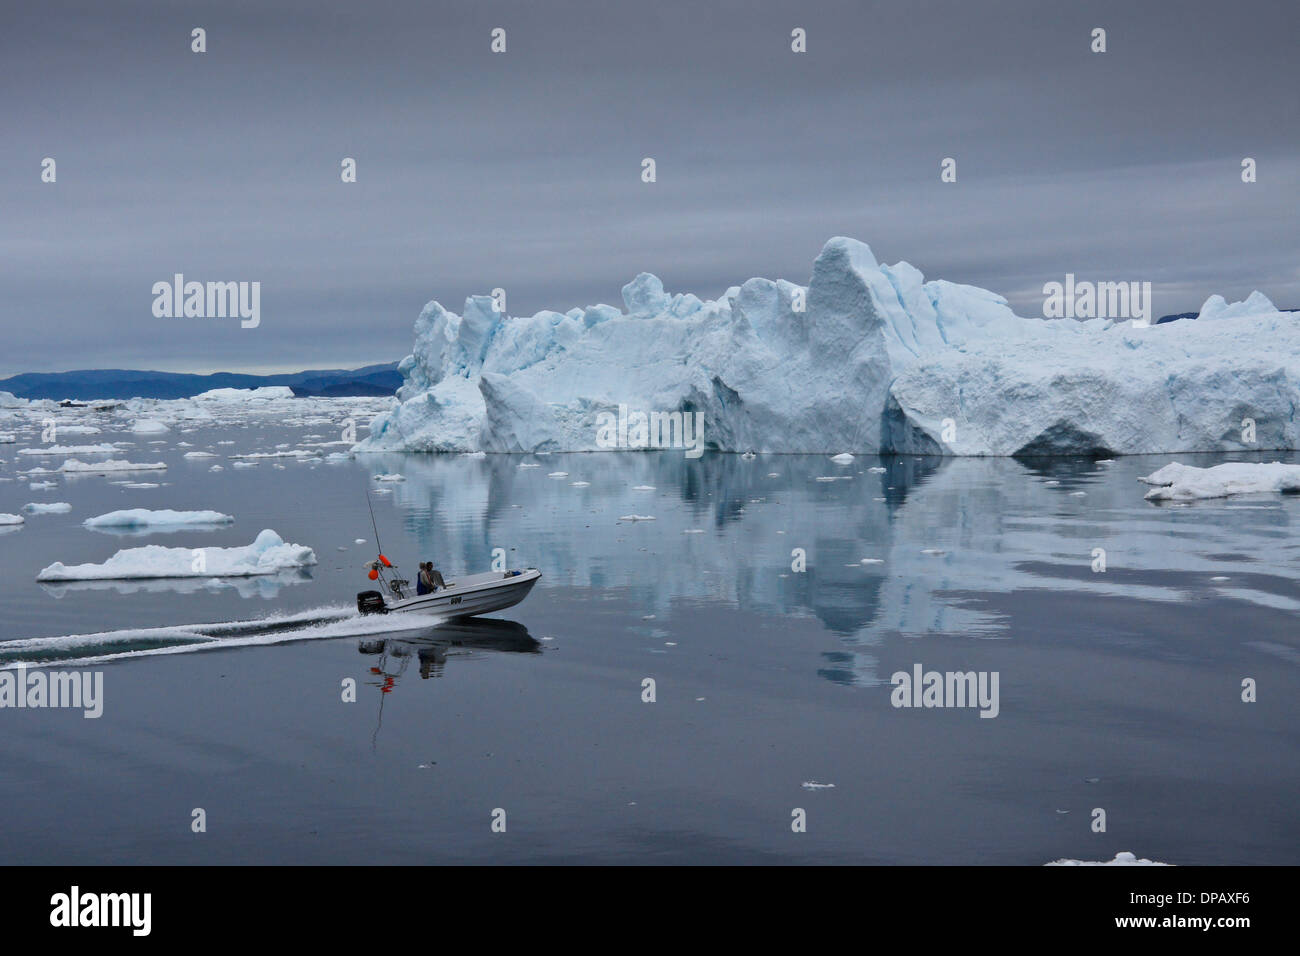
(371, 602)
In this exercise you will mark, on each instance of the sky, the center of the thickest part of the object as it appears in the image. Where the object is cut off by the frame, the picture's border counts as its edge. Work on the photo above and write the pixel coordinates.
(522, 170)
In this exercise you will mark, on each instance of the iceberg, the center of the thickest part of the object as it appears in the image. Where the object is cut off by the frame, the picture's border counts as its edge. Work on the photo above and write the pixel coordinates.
(47, 508)
(264, 392)
(101, 449)
(1179, 482)
(161, 518)
(72, 466)
(866, 358)
(1123, 858)
(8, 519)
(268, 554)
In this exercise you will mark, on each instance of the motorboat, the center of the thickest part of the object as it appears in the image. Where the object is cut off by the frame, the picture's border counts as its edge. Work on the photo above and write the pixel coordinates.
(465, 596)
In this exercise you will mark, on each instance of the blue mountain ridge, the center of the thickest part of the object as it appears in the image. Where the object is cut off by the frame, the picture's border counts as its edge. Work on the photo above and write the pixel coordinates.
(370, 380)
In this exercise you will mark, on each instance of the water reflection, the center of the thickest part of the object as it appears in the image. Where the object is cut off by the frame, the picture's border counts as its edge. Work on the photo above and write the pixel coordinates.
(432, 649)
(911, 545)
(264, 586)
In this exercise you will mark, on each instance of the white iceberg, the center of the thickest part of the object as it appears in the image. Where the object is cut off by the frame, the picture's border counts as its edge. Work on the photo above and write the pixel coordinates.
(47, 508)
(264, 393)
(268, 554)
(69, 450)
(161, 518)
(866, 358)
(149, 426)
(1178, 482)
(8, 519)
(72, 466)
(1123, 858)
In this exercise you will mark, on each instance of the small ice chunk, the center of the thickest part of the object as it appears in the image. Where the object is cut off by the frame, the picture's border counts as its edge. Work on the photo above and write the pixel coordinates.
(50, 508)
(162, 518)
(1124, 858)
(1178, 482)
(73, 466)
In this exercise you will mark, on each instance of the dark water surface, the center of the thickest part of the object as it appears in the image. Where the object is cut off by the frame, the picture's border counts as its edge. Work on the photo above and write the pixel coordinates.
(1119, 690)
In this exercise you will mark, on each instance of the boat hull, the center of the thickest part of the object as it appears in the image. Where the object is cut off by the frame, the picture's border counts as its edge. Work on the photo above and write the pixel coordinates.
(480, 594)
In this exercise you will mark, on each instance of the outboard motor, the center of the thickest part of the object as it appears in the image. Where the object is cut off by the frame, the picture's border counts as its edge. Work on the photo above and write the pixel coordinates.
(371, 602)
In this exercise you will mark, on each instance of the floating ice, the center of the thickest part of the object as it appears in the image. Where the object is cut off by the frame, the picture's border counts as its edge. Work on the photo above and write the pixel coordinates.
(149, 426)
(295, 453)
(1178, 482)
(47, 508)
(266, 555)
(101, 449)
(163, 518)
(843, 459)
(1124, 858)
(72, 466)
(264, 393)
(8, 519)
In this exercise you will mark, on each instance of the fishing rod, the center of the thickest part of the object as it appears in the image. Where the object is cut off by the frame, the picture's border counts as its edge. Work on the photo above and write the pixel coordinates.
(372, 521)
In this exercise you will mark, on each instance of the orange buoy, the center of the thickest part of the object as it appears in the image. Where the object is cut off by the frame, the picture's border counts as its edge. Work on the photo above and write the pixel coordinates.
(373, 575)
(385, 562)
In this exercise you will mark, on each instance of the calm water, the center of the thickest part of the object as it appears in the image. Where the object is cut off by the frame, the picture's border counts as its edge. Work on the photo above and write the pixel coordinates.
(1118, 690)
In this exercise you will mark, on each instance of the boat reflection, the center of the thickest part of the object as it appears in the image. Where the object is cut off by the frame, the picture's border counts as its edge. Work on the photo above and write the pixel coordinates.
(434, 647)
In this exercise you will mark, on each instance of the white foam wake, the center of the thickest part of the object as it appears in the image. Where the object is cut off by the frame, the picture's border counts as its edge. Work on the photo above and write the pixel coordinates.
(323, 623)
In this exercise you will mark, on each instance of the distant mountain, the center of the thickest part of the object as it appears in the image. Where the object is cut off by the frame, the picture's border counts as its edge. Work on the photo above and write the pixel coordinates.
(371, 380)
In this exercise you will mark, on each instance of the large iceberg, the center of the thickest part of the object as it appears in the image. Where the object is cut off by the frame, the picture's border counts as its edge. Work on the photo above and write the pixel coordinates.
(865, 358)
(268, 554)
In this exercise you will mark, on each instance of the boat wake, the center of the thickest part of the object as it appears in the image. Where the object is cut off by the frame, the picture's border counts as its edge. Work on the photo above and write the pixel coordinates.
(106, 646)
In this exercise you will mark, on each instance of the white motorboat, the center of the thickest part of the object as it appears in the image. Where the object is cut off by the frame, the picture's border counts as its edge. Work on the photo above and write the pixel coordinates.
(464, 597)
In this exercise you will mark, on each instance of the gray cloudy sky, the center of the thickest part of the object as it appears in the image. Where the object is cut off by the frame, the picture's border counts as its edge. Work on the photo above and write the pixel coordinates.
(522, 170)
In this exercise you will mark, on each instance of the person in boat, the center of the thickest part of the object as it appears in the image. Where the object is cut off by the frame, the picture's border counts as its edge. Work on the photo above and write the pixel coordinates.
(423, 581)
(435, 577)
